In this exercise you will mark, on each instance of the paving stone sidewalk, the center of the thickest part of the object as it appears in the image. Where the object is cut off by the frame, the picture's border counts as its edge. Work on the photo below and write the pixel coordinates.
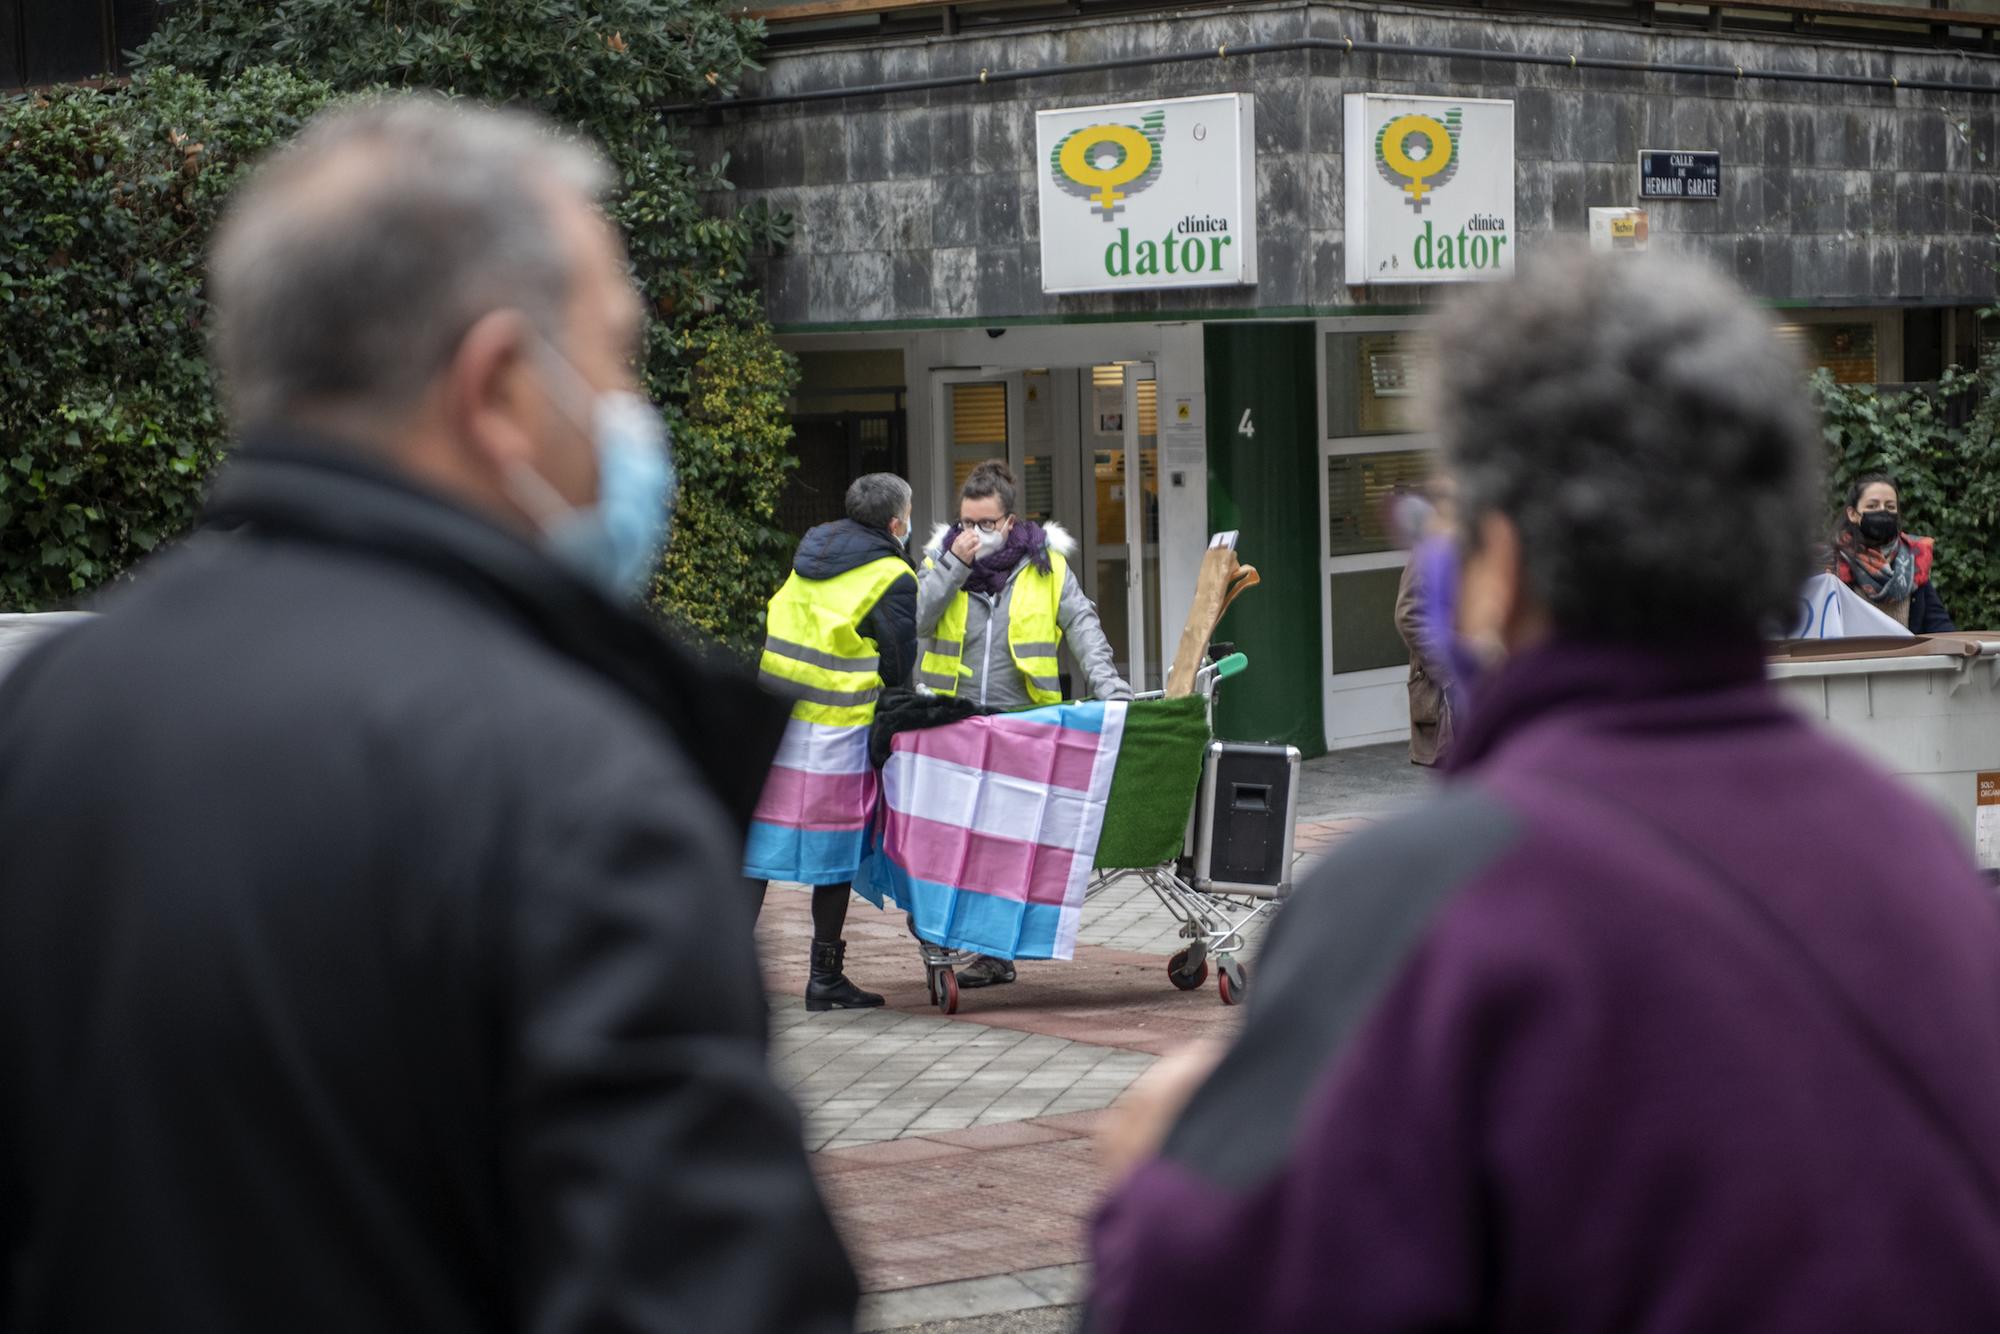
(956, 1151)
(861, 1077)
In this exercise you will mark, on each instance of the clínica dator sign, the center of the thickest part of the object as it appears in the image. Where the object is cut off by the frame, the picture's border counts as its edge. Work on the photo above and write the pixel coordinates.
(1148, 194)
(1430, 189)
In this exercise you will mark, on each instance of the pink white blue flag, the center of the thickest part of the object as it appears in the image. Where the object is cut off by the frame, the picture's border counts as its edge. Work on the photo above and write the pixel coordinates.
(811, 824)
(990, 827)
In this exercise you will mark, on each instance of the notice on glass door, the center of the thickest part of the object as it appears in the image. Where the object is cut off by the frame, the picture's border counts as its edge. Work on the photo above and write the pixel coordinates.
(1184, 435)
(1186, 417)
(1184, 439)
(1109, 404)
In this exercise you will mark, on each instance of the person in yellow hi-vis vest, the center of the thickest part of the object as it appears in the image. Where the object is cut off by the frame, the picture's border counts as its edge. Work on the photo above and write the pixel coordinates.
(841, 629)
(996, 604)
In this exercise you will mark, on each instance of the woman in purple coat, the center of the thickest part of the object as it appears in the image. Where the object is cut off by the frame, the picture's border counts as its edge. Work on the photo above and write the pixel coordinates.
(1633, 1029)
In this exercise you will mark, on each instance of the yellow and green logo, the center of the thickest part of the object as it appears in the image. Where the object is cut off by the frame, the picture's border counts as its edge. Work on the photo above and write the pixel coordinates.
(1419, 154)
(1108, 164)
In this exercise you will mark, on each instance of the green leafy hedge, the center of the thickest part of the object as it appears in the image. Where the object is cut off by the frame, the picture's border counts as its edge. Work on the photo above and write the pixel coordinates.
(108, 414)
(1948, 475)
(599, 66)
(108, 417)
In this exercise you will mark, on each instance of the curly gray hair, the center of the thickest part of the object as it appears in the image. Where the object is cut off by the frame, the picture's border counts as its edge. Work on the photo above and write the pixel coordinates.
(1647, 435)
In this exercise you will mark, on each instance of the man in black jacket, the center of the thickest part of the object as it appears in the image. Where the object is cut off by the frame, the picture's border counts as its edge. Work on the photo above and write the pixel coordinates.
(841, 630)
(370, 959)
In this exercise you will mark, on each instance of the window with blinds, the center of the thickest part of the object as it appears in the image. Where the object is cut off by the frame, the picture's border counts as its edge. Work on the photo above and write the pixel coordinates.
(1038, 487)
(1375, 382)
(979, 414)
(978, 426)
(1357, 492)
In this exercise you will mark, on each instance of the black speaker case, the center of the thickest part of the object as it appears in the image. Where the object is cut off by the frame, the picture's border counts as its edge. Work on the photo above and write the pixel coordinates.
(1223, 821)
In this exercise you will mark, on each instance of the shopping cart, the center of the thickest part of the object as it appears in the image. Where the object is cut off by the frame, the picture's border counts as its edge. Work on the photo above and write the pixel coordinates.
(1184, 872)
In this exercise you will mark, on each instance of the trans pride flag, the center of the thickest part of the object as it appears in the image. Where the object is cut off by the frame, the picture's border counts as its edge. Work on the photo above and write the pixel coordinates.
(989, 827)
(811, 823)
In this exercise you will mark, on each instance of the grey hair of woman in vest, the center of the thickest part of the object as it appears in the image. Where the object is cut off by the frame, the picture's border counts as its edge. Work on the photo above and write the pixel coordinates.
(349, 268)
(1649, 437)
(877, 498)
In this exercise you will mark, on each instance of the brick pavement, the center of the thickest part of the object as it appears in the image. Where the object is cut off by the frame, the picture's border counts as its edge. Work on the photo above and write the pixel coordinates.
(1107, 997)
(955, 1148)
(968, 1210)
(861, 1077)
(955, 1152)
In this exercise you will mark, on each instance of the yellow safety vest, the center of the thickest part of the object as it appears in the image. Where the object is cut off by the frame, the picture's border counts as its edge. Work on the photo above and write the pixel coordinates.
(1034, 635)
(814, 651)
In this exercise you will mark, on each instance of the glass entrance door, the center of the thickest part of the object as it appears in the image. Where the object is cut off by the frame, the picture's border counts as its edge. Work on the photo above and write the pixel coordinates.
(1117, 460)
(1371, 446)
(1074, 438)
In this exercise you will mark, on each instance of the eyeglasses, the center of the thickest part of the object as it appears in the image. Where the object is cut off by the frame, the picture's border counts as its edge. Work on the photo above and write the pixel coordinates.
(985, 525)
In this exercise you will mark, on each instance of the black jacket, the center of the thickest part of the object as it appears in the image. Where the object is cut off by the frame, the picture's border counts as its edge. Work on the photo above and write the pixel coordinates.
(374, 956)
(1927, 613)
(833, 549)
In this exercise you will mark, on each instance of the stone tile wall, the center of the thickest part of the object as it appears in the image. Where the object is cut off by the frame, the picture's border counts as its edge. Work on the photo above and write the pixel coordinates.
(921, 206)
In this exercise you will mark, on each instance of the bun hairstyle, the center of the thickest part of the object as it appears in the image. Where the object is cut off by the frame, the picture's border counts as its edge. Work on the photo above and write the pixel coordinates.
(991, 478)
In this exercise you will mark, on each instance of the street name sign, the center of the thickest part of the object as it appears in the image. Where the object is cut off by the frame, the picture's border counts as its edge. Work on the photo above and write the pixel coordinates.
(1677, 173)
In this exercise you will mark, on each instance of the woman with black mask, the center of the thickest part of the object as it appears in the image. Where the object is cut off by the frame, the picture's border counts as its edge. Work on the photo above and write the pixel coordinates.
(1884, 564)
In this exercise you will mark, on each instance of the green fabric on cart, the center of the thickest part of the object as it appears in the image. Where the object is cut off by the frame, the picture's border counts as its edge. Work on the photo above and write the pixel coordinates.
(1153, 787)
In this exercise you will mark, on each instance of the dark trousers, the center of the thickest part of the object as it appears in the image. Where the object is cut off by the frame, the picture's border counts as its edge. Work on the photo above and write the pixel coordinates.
(829, 907)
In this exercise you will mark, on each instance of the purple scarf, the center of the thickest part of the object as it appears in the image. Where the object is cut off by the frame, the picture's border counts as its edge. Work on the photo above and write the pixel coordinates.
(990, 573)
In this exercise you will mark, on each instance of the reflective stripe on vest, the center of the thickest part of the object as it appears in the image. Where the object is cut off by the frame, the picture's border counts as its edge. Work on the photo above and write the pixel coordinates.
(814, 652)
(1034, 635)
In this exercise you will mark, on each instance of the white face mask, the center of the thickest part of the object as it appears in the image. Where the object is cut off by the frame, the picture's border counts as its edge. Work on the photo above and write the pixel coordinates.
(990, 542)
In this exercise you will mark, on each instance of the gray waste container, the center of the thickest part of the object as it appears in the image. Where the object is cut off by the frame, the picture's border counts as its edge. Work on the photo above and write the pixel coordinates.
(1928, 709)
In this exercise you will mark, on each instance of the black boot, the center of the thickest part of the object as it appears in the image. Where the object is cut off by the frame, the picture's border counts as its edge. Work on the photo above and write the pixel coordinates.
(828, 987)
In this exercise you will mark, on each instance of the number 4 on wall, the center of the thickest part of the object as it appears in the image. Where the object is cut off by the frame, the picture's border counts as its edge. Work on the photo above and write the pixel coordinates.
(1246, 428)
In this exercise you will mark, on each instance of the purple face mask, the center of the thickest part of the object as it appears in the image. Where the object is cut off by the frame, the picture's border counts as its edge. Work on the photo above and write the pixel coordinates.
(1437, 616)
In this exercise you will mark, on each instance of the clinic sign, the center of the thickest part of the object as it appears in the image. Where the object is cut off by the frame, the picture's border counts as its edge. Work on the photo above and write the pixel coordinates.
(1430, 189)
(1148, 195)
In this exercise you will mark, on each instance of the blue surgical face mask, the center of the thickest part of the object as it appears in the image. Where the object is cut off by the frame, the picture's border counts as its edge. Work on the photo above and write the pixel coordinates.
(615, 544)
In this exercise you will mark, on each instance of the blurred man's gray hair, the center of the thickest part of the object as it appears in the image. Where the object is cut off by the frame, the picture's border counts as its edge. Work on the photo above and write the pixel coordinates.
(1649, 437)
(350, 267)
(876, 498)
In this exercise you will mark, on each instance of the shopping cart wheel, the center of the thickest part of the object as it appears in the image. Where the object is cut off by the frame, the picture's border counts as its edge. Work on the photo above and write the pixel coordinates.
(1187, 979)
(1231, 981)
(947, 991)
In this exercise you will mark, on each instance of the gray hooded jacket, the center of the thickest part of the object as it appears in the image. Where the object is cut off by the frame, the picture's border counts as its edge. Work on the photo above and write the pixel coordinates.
(995, 682)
